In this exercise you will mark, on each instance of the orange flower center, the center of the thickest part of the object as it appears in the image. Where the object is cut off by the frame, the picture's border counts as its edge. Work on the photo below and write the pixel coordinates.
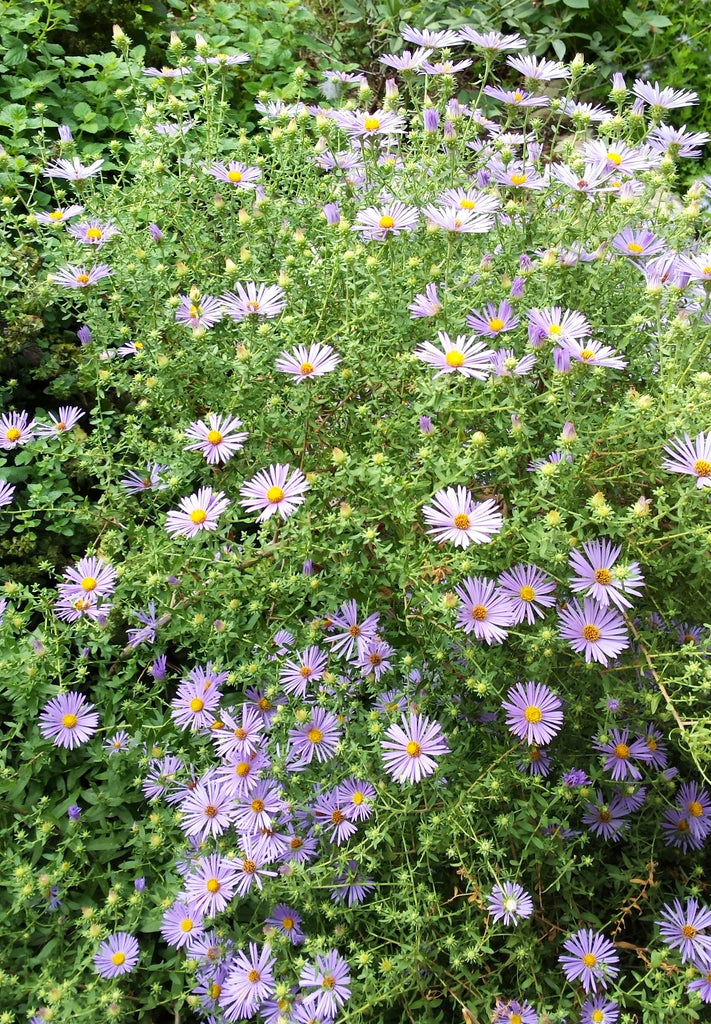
(306, 368)
(479, 612)
(591, 633)
(622, 751)
(314, 735)
(82, 278)
(695, 809)
(603, 576)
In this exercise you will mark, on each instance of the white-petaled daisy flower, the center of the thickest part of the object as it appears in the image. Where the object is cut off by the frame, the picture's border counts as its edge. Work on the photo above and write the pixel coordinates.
(274, 490)
(455, 516)
(314, 361)
(376, 223)
(218, 439)
(72, 170)
(592, 353)
(449, 218)
(464, 355)
(197, 512)
(691, 457)
(251, 299)
(239, 175)
(59, 216)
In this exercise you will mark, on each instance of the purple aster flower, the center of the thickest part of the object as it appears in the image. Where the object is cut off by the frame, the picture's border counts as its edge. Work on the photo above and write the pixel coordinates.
(15, 429)
(492, 320)
(599, 1010)
(592, 353)
(356, 799)
(591, 958)
(116, 955)
(68, 417)
(262, 301)
(444, 67)
(158, 667)
(197, 512)
(576, 777)
(7, 493)
(199, 313)
(240, 737)
(307, 667)
(288, 922)
(223, 60)
(505, 363)
(239, 175)
(349, 633)
(533, 713)
(304, 363)
(93, 232)
(485, 609)
(694, 801)
(639, 243)
(509, 902)
(139, 884)
(426, 303)
(618, 157)
(599, 633)
(351, 887)
(242, 772)
(71, 608)
(677, 831)
(606, 818)
(80, 277)
(155, 233)
(162, 776)
(529, 589)
(471, 199)
(449, 218)
(59, 216)
(328, 812)
(426, 425)
(117, 743)
(218, 439)
(258, 809)
(552, 322)
(518, 175)
(465, 355)
(538, 762)
(329, 978)
(68, 720)
(656, 749)
(72, 170)
(194, 704)
(513, 1012)
(538, 68)
(492, 42)
(687, 929)
(74, 812)
(455, 516)
(207, 810)
(702, 985)
(516, 97)
(250, 866)
(687, 456)
(166, 72)
(359, 124)
(318, 737)
(210, 885)
(181, 924)
(332, 213)
(274, 490)
(377, 223)
(663, 98)
(249, 982)
(137, 483)
(618, 751)
(145, 634)
(597, 577)
(677, 142)
(374, 657)
(407, 60)
(409, 750)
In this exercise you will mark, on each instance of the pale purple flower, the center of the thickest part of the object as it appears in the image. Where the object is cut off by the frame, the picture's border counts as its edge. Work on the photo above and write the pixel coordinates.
(469, 199)
(237, 174)
(638, 243)
(492, 320)
(181, 924)
(530, 590)
(357, 799)
(514, 1012)
(437, 39)
(74, 812)
(117, 743)
(250, 866)
(72, 608)
(7, 493)
(288, 922)
(174, 128)
(592, 353)
(72, 170)
(60, 215)
(505, 363)
(359, 124)
(688, 929)
(606, 818)
(307, 667)
(409, 749)
(685, 456)
(251, 299)
(223, 60)
(318, 737)
(464, 355)
(332, 213)
(509, 902)
(516, 97)
(553, 323)
(197, 512)
(492, 42)
(677, 831)
(93, 232)
(218, 439)
(351, 887)
(274, 490)
(16, 429)
(533, 713)
(350, 632)
(599, 1010)
(303, 363)
(68, 720)
(598, 578)
(202, 312)
(444, 67)
(376, 223)
(591, 180)
(458, 221)
(249, 982)
(116, 955)
(618, 750)
(426, 303)
(91, 576)
(155, 233)
(146, 633)
(538, 68)
(137, 483)
(240, 737)
(67, 418)
(694, 801)
(194, 705)
(408, 60)
(166, 72)
(485, 609)
(328, 812)
(80, 277)
(210, 885)
(599, 633)
(131, 348)
(374, 657)
(454, 516)
(591, 958)
(677, 142)
(663, 98)
(537, 762)
(702, 985)
(618, 157)
(207, 810)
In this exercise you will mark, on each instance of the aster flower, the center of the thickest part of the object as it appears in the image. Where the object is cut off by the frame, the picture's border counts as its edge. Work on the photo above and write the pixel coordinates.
(240, 737)
(591, 958)
(7, 493)
(685, 456)
(694, 801)
(515, 97)
(538, 68)
(218, 439)
(258, 810)
(359, 124)
(444, 67)
(303, 363)
(687, 929)
(458, 221)
(599, 1010)
(288, 922)
(576, 777)
(72, 608)
(351, 887)
(327, 812)
(166, 72)
(197, 512)
(307, 667)
(93, 232)
(514, 1012)
(492, 42)
(72, 170)
(407, 60)
(330, 979)
(638, 243)
(80, 277)
(702, 986)
(318, 737)
(274, 490)
(376, 223)
(250, 866)
(469, 199)
(552, 322)
(599, 633)
(530, 591)
(677, 831)
(60, 215)
(223, 60)
(210, 885)
(117, 743)
(146, 633)
(131, 348)
(537, 762)
(68, 720)
(618, 157)
(68, 417)
(116, 955)
(199, 313)
(351, 634)
(15, 429)
(663, 98)
(618, 750)
(194, 705)
(492, 320)
(597, 577)
(464, 355)
(518, 175)
(455, 516)
(356, 799)
(484, 609)
(374, 657)
(677, 142)
(239, 175)
(606, 818)
(207, 810)
(592, 353)
(181, 924)
(161, 777)
(137, 483)
(251, 299)
(92, 576)
(592, 180)
(533, 713)
(509, 902)
(504, 363)
(656, 748)
(409, 749)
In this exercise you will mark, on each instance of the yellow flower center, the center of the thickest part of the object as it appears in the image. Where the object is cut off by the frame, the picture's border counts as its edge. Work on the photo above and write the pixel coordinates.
(214, 436)
(589, 959)
(57, 214)
(118, 958)
(462, 521)
(603, 576)
(496, 324)
(533, 714)
(328, 982)
(88, 583)
(287, 923)
(587, 355)
(94, 234)
(413, 749)
(622, 751)
(215, 990)
(702, 467)
(314, 735)
(688, 931)
(198, 515)
(242, 769)
(252, 305)
(186, 925)
(386, 222)
(196, 704)
(275, 495)
(59, 427)
(604, 817)
(597, 1017)
(257, 806)
(235, 176)
(518, 96)
(467, 204)
(82, 278)
(454, 358)
(591, 633)
(212, 885)
(264, 704)
(305, 671)
(515, 1018)
(518, 179)
(69, 721)
(695, 809)
(371, 124)
(357, 798)
(13, 434)
(614, 158)
(249, 867)
(527, 593)
(634, 247)
(306, 368)
(479, 612)
(195, 311)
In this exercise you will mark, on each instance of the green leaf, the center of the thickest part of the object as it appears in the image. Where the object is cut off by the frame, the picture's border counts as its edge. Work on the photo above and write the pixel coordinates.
(13, 115)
